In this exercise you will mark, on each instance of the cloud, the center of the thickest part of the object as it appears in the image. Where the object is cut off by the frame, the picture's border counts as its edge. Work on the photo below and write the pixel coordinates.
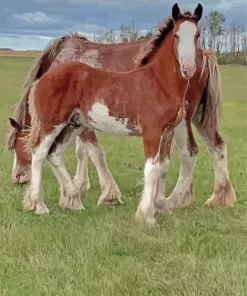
(45, 37)
(36, 18)
(54, 18)
(131, 2)
(89, 28)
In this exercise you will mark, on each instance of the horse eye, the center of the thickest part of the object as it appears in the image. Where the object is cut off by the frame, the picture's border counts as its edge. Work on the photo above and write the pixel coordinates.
(175, 36)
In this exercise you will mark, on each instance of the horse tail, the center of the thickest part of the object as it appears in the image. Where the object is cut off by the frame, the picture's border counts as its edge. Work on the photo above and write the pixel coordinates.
(40, 66)
(212, 98)
(33, 133)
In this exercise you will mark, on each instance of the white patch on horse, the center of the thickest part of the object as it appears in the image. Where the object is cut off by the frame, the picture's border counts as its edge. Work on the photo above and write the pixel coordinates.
(34, 197)
(66, 54)
(186, 46)
(152, 173)
(102, 121)
(91, 58)
(14, 165)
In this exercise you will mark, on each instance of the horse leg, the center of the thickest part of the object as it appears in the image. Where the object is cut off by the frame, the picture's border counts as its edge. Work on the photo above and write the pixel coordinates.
(81, 177)
(182, 194)
(160, 201)
(224, 194)
(70, 193)
(33, 199)
(157, 159)
(110, 193)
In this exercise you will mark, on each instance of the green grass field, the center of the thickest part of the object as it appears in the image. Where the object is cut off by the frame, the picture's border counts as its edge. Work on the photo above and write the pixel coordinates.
(102, 251)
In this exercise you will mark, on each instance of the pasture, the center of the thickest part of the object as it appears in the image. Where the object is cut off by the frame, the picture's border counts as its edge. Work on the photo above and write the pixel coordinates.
(102, 251)
(19, 53)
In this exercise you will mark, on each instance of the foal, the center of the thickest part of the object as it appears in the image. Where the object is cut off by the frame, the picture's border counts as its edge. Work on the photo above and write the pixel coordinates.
(74, 96)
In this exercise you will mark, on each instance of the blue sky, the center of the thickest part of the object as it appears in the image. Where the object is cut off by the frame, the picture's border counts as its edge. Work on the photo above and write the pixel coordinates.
(31, 24)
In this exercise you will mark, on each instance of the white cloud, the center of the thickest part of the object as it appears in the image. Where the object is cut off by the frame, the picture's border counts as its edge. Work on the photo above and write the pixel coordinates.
(36, 18)
(45, 37)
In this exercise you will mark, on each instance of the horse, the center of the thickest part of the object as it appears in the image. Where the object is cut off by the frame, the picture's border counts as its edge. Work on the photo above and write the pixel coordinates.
(74, 95)
(203, 101)
(110, 57)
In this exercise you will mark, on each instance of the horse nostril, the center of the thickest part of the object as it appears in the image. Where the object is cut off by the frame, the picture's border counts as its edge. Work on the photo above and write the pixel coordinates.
(17, 176)
(185, 72)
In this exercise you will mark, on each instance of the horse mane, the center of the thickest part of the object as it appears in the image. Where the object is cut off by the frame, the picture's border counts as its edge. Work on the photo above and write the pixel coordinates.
(148, 50)
(32, 138)
(48, 54)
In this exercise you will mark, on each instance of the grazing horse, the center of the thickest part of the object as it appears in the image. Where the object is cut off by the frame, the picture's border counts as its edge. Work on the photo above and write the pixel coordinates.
(203, 100)
(73, 95)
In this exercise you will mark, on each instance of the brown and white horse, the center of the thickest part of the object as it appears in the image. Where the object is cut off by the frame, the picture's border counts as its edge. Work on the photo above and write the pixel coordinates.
(205, 93)
(73, 95)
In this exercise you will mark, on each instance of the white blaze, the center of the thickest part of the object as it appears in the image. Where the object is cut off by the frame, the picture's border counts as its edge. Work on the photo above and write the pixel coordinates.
(14, 164)
(186, 45)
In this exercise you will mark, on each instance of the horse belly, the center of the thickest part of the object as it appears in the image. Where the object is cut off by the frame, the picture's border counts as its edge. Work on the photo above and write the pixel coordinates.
(101, 120)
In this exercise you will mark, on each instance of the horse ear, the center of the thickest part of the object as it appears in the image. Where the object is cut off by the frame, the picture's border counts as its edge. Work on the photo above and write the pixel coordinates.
(15, 124)
(175, 12)
(198, 12)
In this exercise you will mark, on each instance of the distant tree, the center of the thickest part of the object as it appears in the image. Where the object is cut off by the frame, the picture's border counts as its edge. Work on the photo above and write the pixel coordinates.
(6, 49)
(147, 35)
(215, 21)
(108, 36)
(204, 33)
(227, 39)
(128, 33)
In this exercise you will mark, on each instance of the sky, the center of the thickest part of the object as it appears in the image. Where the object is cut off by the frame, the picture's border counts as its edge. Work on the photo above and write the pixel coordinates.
(32, 24)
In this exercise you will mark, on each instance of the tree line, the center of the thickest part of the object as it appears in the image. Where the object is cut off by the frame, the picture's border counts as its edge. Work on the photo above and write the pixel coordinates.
(227, 39)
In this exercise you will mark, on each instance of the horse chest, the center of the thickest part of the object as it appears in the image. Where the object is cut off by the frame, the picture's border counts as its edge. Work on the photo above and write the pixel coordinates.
(99, 118)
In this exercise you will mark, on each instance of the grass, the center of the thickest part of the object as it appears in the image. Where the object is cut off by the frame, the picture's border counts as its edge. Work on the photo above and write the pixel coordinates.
(19, 53)
(102, 251)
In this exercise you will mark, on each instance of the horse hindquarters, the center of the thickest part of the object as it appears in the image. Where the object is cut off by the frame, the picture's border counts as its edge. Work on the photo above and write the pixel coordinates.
(52, 145)
(34, 196)
(70, 193)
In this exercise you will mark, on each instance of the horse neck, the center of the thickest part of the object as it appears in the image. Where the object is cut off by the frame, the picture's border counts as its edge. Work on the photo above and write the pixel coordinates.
(166, 68)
